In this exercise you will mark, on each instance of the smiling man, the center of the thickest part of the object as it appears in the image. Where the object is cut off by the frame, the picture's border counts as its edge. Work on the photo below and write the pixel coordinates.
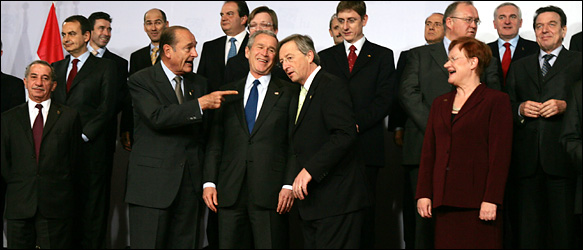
(165, 167)
(510, 46)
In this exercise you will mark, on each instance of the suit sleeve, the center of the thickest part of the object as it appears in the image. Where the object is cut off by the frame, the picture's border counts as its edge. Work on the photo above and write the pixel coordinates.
(214, 149)
(106, 109)
(155, 114)
(202, 64)
(428, 154)
(492, 80)
(499, 149)
(397, 116)
(410, 94)
(337, 114)
(571, 135)
(5, 149)
(382, 102)
(512, 87)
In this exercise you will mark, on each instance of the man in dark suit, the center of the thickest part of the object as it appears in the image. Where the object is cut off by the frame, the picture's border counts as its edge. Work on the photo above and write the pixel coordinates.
(88, 85)
(367, 67)
(417, 232)
(38, 164)
(216, 53)
(330, 181)
(249, 185)
(540, 167)
(164, 179)
(154, 23)
(575, 42)
(425, 78)
(261, 18)
(508, 21)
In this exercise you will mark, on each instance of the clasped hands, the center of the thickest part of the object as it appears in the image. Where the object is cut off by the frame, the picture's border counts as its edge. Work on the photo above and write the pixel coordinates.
(546, 109)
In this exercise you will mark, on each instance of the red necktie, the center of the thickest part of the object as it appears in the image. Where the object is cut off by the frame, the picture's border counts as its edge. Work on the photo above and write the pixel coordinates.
(506, 61)
(37, 130)
(351, 57)
(72, 74)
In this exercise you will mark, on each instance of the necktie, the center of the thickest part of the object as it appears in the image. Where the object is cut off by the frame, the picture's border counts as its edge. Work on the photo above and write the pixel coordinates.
(72, 74)
(178, 90)
(303, 93)
(233, 49)
(95, 52)
(351, 57)
(546, 65)
(154, 55)
(37, 130)
(251, 107)
(506, 58)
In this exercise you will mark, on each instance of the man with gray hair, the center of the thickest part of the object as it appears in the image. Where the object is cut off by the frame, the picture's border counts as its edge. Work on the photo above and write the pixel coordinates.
(335, 29)
(247, 173)
(510, 46)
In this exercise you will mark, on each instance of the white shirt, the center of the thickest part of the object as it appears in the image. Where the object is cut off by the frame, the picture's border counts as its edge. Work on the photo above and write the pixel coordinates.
(240, 37)
(171, 76)
(446, 43)
(555, 52)
(310, 79)
(100, 51)
(33, 111)
(82, 59)
(501, 49)
(358, 45)
(261, 89)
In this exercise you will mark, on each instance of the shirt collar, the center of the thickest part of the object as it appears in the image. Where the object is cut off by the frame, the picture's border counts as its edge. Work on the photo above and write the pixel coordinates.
(169, 74)
(240, 37)
(358, 45)
(513, 42)
(264, 80)
(446, 43)
(554, 52)
(311, 78)
(100, 51)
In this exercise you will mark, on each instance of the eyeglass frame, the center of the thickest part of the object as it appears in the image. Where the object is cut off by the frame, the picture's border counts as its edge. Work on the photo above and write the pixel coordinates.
(469, 20)
(263, 25)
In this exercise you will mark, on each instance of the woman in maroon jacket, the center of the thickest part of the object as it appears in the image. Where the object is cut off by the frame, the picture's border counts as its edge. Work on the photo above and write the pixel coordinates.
(466, 154)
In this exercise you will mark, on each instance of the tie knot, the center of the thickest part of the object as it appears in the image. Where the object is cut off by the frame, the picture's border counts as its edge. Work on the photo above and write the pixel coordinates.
(548, 57)
(155, 50)
(303, 91)
(95, 52)
(256, 82)
(507, 45)
(39, 106)
(232, 40)
(352, 48)
(177, 79)
(75, 61)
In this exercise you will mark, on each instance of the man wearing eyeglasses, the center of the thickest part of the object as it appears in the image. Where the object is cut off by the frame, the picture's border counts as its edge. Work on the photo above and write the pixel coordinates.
(261, 18)
(425, 78)
(367, 67)
(216, 53)
(510, 46)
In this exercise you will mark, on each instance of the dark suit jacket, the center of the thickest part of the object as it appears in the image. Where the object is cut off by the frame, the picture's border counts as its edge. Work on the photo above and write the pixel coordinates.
(465, 161)
(539, 136)
(93, 94)
(238, 67)
(168, 137)
(12, 92)
(140, 59)
(397, 115)
(212, 60)
(46, 187)
(571, 136)
(576, 43)
(372, 93)
(523, 48)
(262, 157)
(324, 141)
(424, 79)
(123, 94)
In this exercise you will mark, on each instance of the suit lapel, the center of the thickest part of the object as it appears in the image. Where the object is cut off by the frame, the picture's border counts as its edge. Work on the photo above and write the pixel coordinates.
(363, 58)
(272, 95)
(445, 110)
(24, 119)
(238, 104)
(85, 71)
(308, 100)
(163, 85)
(52, 117)
(562, 60)
(476, 97)
(439, 56)
(342, 59)
(533, 71)
(60, 92)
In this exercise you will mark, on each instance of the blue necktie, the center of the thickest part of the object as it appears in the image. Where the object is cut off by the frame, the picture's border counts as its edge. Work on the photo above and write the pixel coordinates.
(546, 65)
(251, 107)
(233, 49)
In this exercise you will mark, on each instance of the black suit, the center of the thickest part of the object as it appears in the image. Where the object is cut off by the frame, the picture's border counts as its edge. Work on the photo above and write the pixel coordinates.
(397, 116)
(576, 43)
(93, 94)
(212, 61)
(571, 137)
(40, 191)
(541, 167)
(324, 141)
(164, 178)
(523, 48)
(372, 90)
(250, 170)
(123, 98)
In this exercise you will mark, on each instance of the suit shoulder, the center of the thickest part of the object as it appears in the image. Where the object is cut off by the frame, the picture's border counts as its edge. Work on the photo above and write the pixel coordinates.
(6, 78)
(214, 41)
(232, 85)
(9, 114)
(116, 57)
(328, 50)
(380, 47)
(147, 48)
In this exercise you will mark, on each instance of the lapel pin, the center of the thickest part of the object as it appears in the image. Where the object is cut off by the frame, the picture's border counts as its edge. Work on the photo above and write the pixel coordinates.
(276, 93)
(310, 96)
(368, 55)
(190, 93)
(58, 112)
(445, 100)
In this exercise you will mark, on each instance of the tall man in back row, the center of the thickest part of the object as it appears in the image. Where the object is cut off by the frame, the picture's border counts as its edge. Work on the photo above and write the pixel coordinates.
(367, 67)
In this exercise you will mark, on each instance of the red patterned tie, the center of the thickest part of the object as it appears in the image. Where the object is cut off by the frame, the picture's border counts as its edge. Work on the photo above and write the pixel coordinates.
(351, 57)
(72, 74)
(37, 130)
(506, 61)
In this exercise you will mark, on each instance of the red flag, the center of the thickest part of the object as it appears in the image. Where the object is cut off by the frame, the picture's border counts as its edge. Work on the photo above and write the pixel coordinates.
(50, 48)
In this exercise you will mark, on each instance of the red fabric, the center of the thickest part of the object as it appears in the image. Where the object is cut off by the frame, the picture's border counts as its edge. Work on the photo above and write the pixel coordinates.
(37, 130)
(351, 57)
(506, 61)
(50, 49)
(72, 74)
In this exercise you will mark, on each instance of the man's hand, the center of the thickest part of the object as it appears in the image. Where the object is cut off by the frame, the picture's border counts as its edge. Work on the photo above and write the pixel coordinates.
(286, 201)
(488, 211)
(398, 138)
(214, 99)
(125, 141)
(209, 195)
(300, 185)
(553, 107)
(530, 109)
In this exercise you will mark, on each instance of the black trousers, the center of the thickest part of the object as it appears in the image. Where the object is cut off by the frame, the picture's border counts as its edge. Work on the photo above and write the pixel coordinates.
(336, 232)
(39, 231)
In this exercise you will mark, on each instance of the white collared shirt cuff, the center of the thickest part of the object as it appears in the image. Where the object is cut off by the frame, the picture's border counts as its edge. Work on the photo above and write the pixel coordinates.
(287, 187)
(85, 138)
(209, 184)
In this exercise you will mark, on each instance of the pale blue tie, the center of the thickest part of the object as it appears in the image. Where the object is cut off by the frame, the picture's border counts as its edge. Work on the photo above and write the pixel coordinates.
(233, 49)
(251, 107)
